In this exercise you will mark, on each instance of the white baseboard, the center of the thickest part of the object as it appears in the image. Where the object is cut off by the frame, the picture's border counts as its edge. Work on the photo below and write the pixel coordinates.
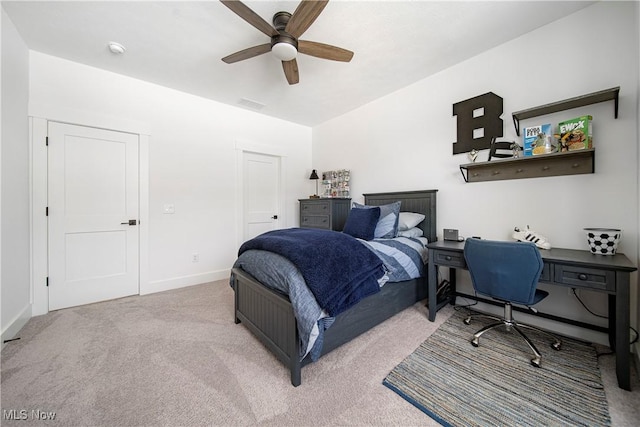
(181, 282)
(16, 324)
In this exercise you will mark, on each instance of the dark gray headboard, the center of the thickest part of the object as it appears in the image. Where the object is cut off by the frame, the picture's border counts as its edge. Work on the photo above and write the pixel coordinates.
(423, 202)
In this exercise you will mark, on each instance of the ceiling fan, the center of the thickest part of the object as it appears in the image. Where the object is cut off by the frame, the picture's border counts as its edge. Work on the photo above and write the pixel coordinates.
(284, 34)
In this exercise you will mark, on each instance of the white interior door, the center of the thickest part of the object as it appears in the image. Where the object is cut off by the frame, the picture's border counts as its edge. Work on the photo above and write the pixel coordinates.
(93, 215)
(261, 182)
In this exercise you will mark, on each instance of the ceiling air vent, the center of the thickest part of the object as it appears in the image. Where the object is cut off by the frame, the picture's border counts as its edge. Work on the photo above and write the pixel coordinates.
(254, 105)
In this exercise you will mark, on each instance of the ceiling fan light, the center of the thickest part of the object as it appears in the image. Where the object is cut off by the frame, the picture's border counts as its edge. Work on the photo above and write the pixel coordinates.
(284, 51)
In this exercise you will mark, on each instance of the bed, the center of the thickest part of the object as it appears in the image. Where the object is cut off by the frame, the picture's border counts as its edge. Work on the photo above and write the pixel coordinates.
(269, 314)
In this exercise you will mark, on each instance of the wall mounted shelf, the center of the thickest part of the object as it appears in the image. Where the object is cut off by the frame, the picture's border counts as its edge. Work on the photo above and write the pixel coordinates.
(569, 163)
(567, 104)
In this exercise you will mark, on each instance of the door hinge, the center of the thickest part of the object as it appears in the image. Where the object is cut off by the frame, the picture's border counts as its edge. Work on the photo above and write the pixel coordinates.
(46, 211)
(46, 141)
(47, 281)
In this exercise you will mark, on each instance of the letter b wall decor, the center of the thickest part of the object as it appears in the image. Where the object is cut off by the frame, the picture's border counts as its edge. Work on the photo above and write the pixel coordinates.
(480, 113)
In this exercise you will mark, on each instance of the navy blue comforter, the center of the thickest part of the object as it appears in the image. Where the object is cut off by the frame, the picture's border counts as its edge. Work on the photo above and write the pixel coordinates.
(338, 269)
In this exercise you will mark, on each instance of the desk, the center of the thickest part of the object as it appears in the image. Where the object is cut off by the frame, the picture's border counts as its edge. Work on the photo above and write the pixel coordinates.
(608, 274)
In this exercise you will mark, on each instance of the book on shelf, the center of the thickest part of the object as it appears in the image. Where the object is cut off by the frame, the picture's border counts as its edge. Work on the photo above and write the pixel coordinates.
(576, 134)
(538, 140)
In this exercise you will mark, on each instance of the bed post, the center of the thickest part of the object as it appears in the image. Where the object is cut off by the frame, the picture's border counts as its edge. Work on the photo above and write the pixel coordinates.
(235, 298)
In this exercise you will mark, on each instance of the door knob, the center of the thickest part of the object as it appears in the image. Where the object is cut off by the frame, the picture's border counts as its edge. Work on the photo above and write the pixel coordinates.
(131, 222)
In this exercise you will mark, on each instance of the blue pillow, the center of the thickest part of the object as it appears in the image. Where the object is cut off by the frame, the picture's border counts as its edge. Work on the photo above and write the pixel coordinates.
(387, 227)
(361, 223)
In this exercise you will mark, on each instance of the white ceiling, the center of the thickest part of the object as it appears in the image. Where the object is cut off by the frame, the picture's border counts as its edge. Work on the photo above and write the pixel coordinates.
(180, 44)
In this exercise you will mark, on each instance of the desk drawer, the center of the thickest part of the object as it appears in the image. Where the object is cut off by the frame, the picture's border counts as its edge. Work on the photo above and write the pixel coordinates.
(450, 259)
(315, 221)
(581, 277)
(315, 207)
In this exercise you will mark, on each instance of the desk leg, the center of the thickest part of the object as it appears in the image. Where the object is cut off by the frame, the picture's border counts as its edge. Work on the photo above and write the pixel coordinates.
(433, 288)
(612, 321)
(622, 330)
(452, 284)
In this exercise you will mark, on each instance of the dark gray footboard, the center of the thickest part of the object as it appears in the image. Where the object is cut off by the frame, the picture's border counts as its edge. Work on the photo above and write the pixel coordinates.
(269, 316)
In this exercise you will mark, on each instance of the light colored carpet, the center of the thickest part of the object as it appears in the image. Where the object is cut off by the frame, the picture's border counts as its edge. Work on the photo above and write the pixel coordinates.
(177, 359)
(495, 384)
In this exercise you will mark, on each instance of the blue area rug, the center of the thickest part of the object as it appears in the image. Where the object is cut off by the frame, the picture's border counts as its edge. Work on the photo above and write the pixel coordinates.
(494, 384)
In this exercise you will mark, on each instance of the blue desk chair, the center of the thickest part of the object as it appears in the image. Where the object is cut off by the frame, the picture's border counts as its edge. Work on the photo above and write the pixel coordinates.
(507, 272)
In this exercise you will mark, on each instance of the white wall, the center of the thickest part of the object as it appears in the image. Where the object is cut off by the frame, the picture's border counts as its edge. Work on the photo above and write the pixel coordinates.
(408, 135)
(192, 160)
(16, 305)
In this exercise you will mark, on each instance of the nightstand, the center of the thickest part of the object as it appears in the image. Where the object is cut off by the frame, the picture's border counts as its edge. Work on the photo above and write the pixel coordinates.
(330, 214)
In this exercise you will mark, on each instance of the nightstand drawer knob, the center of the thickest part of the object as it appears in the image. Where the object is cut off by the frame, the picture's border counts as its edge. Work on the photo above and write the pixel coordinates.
(448, 257)
(582, 276)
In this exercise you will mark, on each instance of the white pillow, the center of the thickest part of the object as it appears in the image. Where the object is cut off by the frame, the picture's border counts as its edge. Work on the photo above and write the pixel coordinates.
(409, 220)
(412, 232)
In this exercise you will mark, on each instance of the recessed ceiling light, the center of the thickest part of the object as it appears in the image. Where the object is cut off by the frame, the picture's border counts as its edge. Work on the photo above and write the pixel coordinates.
(116, 48)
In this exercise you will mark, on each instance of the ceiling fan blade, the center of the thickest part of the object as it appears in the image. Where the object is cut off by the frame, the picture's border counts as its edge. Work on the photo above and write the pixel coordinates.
(291, 71)
(304, 15)
(247, 53)
(250, 16)
(325, 51)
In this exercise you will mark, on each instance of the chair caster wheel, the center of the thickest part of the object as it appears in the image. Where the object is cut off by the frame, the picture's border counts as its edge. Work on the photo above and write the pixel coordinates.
(535, 362)
(556, 346)
(474, 342)
(467, 321)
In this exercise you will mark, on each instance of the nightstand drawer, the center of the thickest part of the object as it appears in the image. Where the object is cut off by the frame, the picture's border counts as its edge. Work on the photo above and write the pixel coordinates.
(315, 221)
(315, 208)
(450, 259)
(581, 277)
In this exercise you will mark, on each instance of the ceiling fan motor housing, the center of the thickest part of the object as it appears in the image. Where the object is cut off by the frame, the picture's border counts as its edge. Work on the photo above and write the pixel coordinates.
(280, 20)
(284, 45)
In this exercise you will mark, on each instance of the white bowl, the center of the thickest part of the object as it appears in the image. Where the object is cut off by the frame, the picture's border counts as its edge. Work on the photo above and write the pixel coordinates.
(603, 241)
